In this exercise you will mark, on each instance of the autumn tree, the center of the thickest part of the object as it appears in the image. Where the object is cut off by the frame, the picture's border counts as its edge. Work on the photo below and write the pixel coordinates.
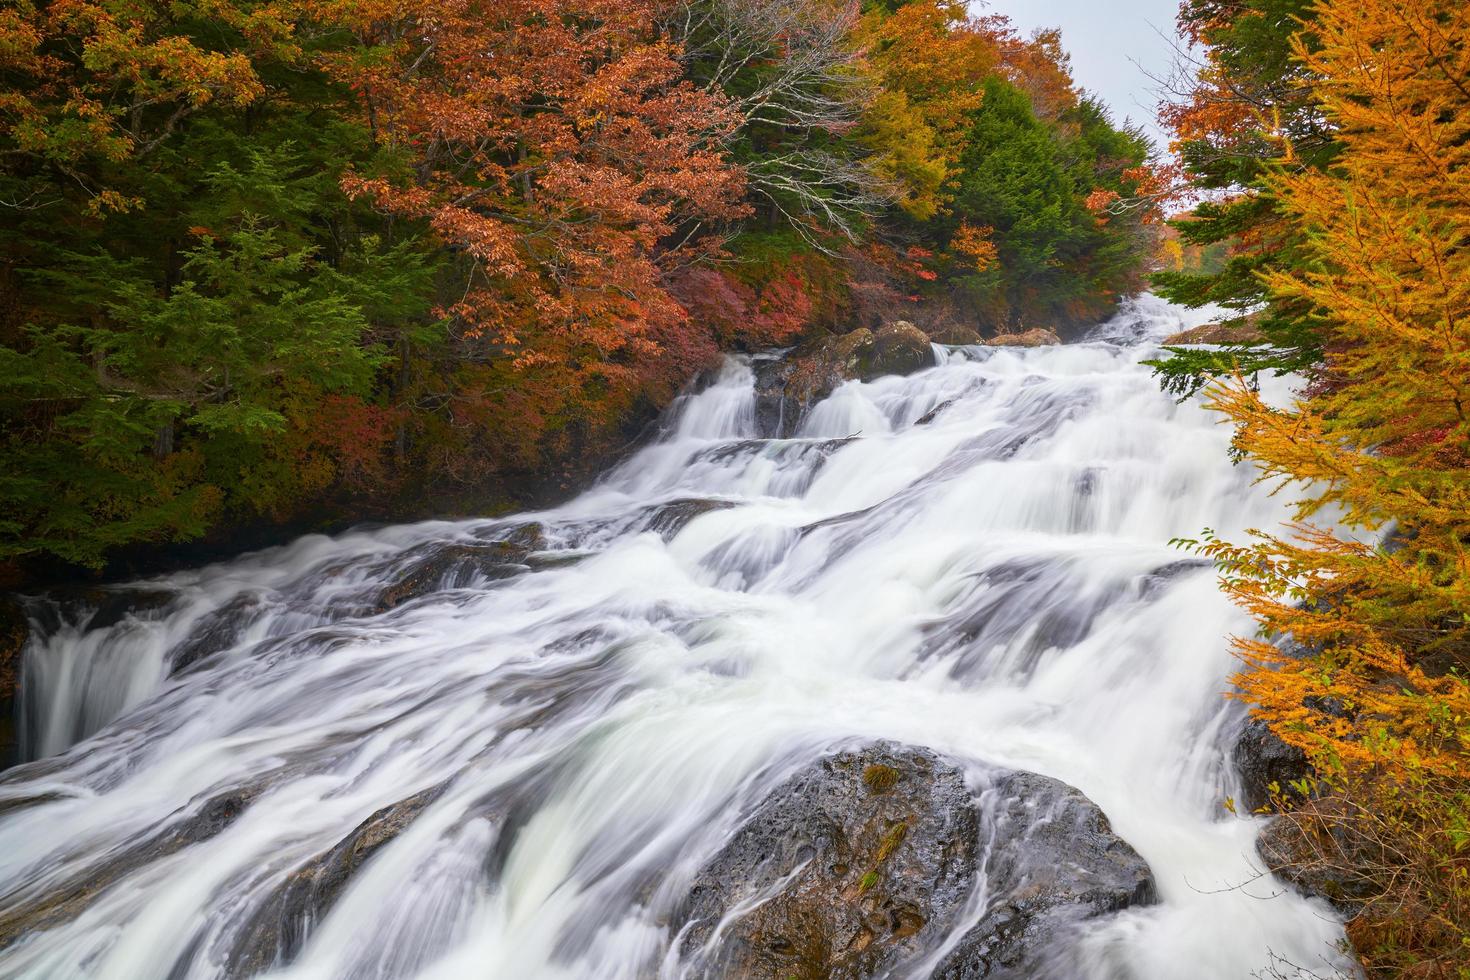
(555, 147)
(91, 83)
(926, 62)
(1239, 98)
(1375, 594)
(1040, 67)
(182, 282)
(788, 72)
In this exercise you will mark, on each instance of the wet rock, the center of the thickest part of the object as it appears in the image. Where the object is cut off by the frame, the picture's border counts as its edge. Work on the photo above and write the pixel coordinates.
(279, 928)
(671, 518)
(864, 861)
(559, 559)
(15, 804)
(787, 388)
(770, 372)
(1054, 864)
(771, 413)
(522, 539)
(1164, 576)
(899, 348)
(216, 631)
(103, 607)
(1310, 850)
(69, 899)
(956, 336)
(1085, 486)
(928, 417)
(1035, 337)
(449, 566)
(818, 368)
(15, 630)
(880, 848)
(1015, 615)
(1240, 331)
(1267, 767)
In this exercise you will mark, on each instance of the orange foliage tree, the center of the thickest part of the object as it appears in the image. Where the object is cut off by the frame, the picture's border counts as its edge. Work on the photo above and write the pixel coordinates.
(1040, 67)
(927, 62)
(92, 82)
(552, 145)
(1378, 690)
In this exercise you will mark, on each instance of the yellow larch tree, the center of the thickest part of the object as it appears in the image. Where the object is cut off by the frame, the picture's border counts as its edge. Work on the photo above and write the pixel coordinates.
(1364, 608)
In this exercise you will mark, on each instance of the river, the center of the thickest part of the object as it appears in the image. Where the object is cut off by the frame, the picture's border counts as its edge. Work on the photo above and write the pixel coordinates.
(974, 558)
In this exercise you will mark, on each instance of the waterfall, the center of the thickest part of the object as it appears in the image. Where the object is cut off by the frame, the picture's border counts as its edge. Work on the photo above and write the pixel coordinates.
(561, 715)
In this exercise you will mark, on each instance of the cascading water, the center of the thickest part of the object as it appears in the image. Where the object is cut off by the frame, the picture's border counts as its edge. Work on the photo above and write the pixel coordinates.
(568, 718)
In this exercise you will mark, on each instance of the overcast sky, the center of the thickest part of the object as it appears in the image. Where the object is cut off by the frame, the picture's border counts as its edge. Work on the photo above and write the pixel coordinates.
(1109, 40)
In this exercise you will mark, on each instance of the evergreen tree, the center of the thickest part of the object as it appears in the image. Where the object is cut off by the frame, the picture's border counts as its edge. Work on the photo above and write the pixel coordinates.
(1030, 185)
(1252, 98)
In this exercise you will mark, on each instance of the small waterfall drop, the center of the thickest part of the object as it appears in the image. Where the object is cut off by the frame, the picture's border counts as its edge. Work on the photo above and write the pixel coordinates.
(557, 715)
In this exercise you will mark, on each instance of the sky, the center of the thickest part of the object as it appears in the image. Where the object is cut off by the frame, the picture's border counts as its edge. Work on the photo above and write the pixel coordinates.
(1109, 40)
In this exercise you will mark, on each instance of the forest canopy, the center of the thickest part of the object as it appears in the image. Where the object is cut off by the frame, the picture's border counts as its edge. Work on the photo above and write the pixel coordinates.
(271, 261)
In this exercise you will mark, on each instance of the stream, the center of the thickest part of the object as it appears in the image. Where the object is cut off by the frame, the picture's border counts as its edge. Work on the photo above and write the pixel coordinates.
(580, 704)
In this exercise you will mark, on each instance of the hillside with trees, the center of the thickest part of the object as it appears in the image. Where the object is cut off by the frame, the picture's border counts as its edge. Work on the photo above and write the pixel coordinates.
(300, 262)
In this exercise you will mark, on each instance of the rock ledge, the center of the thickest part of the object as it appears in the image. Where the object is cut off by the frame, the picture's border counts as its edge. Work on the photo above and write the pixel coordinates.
(865, 862)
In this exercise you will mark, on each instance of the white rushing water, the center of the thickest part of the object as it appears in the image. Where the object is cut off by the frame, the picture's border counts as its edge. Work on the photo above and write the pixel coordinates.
(973, 559)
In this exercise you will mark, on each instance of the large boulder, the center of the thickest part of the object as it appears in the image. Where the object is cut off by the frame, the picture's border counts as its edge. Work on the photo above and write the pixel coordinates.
(787, 388)
(1054, 864)
(1035, 337)
(955, 335)
(821, 366)
(899, 348)
(1239, 331)
(865, 861)
(1266, 766)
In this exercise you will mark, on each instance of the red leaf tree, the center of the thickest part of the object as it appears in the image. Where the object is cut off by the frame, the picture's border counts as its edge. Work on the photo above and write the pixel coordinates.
(552, 145)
